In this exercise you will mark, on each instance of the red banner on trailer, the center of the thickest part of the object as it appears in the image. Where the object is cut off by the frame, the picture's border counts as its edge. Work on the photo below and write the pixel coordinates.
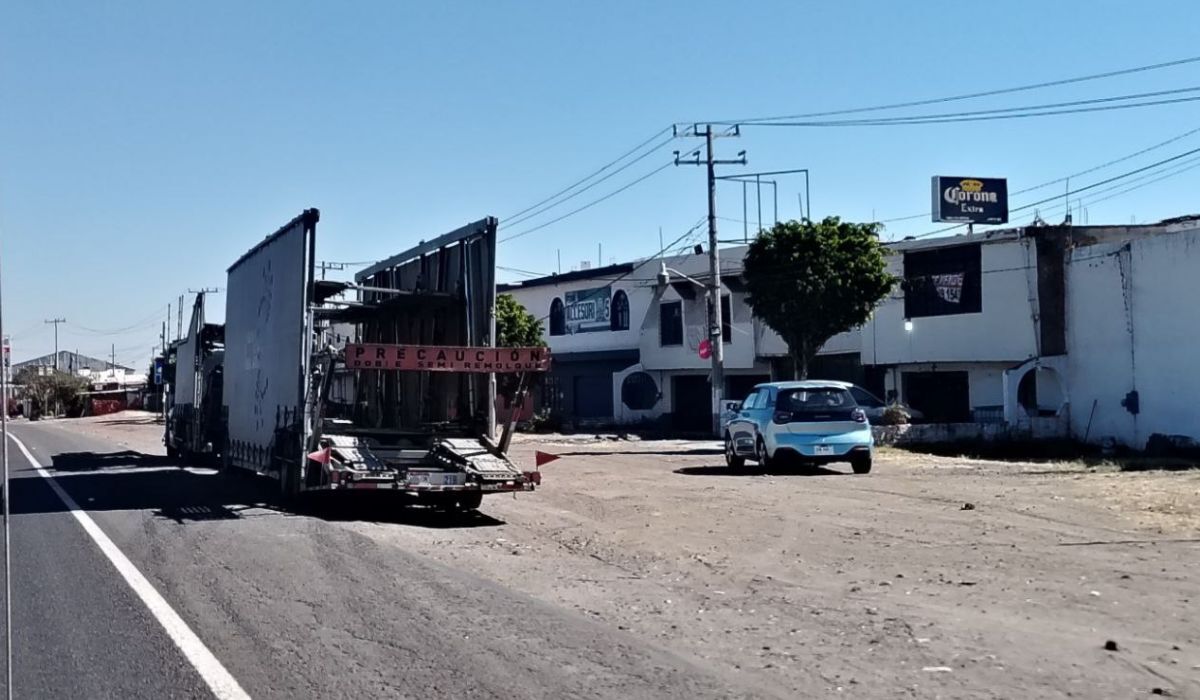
(445, 358)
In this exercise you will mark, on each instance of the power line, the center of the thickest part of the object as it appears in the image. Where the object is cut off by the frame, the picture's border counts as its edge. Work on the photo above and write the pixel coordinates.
(635, 161)
(973, 95)
(593, 174)
(153, 317)
(987, 115)
(1177, 169)
(527, 273)
(1085, 188)
(592, 203)
(1066, 178)
(662, 250)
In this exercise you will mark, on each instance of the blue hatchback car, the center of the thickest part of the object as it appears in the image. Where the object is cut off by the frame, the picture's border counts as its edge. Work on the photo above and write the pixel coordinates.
(812, 421)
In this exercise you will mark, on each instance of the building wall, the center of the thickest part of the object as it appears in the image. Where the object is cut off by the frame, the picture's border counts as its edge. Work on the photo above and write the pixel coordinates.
(739, 352)
(985, 381)
(538, 299)
(1003, 331)
(1131, 326)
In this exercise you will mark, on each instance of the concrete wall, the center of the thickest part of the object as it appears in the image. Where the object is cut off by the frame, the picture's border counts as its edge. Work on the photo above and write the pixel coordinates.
(1003, 331)
(1131, 324)
(537, 301)
(739, 352)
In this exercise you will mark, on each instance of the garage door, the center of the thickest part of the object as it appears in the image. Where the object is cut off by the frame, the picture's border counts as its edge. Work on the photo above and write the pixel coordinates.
(593, 396)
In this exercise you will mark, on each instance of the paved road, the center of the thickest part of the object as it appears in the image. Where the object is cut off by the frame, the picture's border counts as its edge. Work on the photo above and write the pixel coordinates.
(291, 605)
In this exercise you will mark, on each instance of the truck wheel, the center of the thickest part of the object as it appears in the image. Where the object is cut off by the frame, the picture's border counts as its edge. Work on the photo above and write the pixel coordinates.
(732, 460)
(861, 465)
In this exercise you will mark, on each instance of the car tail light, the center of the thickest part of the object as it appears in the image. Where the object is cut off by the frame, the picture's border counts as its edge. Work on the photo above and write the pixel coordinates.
(782, 417)
(859, 415)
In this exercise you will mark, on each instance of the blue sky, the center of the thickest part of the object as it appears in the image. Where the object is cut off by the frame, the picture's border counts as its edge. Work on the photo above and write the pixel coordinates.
(145, 145)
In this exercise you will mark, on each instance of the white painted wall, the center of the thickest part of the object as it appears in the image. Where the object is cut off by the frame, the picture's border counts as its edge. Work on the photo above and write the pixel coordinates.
(1004, 331)
(985, 381)
(537, 301)
(739, 352)
(1131, 323)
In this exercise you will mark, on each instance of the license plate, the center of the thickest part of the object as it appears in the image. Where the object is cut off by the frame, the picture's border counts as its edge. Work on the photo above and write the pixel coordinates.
(437, 479)
(824, 449)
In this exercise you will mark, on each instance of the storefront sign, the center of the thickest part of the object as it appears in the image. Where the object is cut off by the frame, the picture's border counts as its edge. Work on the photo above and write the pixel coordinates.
(975, 200)
(445, 358)
(587, 310)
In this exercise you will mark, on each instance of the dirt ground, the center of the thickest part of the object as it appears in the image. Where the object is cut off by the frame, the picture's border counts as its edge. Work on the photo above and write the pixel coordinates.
(930, 577)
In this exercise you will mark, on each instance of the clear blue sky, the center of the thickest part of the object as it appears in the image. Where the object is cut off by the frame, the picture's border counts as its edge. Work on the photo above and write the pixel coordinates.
(145, 145)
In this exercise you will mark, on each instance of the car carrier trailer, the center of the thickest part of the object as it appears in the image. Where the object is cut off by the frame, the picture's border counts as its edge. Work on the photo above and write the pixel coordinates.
(386, 383)
(194, 426)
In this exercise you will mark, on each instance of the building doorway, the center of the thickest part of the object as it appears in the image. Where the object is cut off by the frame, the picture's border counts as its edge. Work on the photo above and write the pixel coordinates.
(691, 403)
(944, 397)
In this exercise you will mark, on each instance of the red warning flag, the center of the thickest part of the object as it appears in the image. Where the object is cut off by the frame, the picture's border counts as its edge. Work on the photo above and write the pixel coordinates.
(322, 456)
(540, 458)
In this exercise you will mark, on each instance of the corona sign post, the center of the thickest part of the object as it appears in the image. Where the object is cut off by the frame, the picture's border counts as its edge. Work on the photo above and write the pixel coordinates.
(971, 200)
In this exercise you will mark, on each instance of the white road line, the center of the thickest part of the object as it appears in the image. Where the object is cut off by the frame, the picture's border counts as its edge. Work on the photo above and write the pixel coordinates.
(219, 680)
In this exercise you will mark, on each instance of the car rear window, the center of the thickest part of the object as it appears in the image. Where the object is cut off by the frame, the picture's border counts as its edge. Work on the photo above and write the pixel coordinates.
(814, 400)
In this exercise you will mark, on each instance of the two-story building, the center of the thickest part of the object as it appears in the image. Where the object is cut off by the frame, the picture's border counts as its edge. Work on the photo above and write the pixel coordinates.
(1080, 331)
(627, 347)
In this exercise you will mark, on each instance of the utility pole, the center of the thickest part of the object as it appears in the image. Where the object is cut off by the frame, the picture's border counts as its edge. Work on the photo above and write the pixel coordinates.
(716, 326)
(324, 266)
(213, 290)
(56, 321)
(179, 316)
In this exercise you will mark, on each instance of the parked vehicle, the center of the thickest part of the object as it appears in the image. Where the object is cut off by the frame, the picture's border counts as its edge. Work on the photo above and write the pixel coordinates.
(195, 429)
(386, 384)
(817, 422)
(875, 406)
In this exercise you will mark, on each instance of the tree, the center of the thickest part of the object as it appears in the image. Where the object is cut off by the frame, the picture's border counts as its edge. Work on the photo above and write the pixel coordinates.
(810, 281)
(515, 328)
(52, 391)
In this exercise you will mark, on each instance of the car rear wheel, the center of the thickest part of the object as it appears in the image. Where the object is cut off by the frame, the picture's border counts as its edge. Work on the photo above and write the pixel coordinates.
(861, 465)
(732, 460)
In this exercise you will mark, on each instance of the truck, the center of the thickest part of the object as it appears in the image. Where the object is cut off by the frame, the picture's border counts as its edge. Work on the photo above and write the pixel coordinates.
(194, 426)
(386, 383)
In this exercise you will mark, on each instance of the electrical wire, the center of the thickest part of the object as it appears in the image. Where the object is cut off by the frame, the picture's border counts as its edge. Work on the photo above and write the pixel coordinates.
(972, 95)
(618, 171)
(985, 115)
(1066, 178)
(591, 175)
(664, 249)
(151, 318)
(592, 203)
(1065, 195)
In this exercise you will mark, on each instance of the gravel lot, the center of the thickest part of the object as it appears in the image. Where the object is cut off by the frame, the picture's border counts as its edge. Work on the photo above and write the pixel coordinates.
(931, 577)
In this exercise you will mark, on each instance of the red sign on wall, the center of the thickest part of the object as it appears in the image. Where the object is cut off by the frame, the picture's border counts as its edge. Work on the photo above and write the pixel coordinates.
(445, 358)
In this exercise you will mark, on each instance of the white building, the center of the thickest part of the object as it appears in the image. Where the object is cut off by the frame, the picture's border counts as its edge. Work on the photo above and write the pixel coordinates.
(626, 347)
(1073, 331)
(1079, 331)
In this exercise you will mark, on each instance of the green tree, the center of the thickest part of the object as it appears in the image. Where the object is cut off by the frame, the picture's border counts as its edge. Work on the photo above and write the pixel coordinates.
(52, 391)
(515, 326)
(811, 280)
